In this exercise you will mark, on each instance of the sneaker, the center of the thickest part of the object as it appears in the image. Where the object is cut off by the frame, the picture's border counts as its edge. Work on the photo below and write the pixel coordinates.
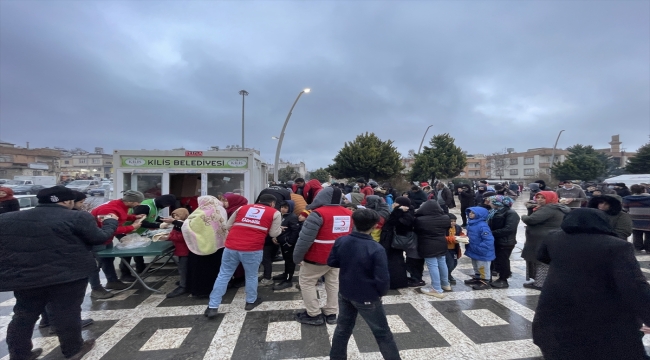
(431, 292)
(35, 354)
(266, 282)
(482, 285)
(282, 276)
(472, 281)
(416, 283)
(253, 305)
(85, 349)
(532, 286)
(116, 285)
(446, 288)
(128, 278)
(177, 292)
(101, 293)
(330, 319)
(211, 313)
(283, 285)
(500, 284)
(304, 318)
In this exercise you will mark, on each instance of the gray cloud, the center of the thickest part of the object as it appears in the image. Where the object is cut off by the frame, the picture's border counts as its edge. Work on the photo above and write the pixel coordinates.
(136, 75)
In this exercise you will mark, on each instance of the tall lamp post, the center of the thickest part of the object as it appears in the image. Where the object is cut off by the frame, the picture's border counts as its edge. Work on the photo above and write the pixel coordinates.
(423, 136)
(554, 147)
(277, 152)
(243, 94)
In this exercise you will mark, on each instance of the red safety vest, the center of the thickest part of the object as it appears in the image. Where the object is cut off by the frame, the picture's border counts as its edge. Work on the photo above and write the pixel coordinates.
(337, 222)
(250, 228)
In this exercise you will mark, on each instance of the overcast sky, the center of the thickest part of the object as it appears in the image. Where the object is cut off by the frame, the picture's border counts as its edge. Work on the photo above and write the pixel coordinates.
(166, 74)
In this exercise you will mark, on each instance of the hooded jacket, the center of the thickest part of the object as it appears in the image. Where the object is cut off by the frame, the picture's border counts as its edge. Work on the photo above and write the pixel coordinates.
(310, 190)
(299, 203)
(541, 223)
(504, 225)
(638, 206)
(417, 198)
(314, 221)
(375, 202)
(467, 198)
(431, 225)
(289, 235)
(595, 295)
(281, 194)
(620, 220)
(481, 241)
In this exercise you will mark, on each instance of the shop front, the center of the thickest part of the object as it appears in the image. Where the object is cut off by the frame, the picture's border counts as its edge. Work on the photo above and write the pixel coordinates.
(189, 174)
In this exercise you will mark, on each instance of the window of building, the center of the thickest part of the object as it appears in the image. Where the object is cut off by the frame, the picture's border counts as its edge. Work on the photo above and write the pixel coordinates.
(548, 171)
(37, 173)
(529, 161)
(514, 172)
(499, 162)
(514, 161)
(487, 173)
(529, 171)
(499, 173)
(81, 161)
(97, 161)
(67, 162)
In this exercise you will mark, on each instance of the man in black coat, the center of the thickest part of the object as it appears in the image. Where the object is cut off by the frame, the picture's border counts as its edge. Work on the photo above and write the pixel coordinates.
(45, 260)
(467, 199)
(595, 296)
(417, 196)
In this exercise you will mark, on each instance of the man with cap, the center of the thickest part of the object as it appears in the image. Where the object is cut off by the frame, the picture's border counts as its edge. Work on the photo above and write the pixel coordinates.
(248, 228)
(119, 208)
(327, 222)
(44, 260)
(150, 208)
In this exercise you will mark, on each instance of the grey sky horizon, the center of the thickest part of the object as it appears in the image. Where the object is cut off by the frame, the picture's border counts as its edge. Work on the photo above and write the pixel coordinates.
(166, 74)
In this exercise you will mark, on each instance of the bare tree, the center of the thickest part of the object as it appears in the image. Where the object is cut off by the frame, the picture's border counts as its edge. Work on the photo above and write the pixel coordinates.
(497, 163)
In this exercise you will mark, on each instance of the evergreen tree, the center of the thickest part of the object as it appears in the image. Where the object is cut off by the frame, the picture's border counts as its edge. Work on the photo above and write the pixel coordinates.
(640, 164)
(287, 174)
(320, 174)
(443, 160)
(582, 163)
(367, 156)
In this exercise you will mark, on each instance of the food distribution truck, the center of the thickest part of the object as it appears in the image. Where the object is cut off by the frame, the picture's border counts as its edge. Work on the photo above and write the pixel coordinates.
(189, 174)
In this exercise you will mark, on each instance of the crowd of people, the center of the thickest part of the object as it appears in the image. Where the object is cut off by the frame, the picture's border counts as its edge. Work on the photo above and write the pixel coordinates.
(358, 240)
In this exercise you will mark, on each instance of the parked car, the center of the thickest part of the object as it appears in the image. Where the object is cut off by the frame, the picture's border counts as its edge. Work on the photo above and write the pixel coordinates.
(83, 185)
(28, 189)
(2, 181)
(100, 191)
(27, 201)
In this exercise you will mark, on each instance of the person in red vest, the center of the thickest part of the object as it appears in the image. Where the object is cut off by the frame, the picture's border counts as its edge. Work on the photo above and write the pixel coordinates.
(248, 227)
(327, 222)
(308, 190)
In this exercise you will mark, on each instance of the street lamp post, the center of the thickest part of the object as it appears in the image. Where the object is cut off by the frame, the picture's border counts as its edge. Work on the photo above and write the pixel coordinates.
(277, 152)
(243, 94)
(554, 147)
(423, 136)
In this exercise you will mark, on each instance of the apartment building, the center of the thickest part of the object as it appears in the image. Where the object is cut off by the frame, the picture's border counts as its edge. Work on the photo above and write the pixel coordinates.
(86, 165)
(522, 165)
(17, 161)
(476, 167)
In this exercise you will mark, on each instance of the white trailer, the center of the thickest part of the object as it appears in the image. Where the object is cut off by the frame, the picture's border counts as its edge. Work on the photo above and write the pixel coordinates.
(31, 180)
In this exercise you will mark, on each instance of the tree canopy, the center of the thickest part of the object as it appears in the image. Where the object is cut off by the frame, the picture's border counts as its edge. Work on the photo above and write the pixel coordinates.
(442, 160)
(582, 163)
(320, 174)
(367, 156)
(640, 164)
(287, 174)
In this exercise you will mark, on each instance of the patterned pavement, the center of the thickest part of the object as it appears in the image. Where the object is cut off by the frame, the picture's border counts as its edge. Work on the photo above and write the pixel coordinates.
(467, 324)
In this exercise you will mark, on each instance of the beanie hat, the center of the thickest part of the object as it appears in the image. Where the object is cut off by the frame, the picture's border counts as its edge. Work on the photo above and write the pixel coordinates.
(452, 216)
(165, 201)
(55, 194)
(498, 187)
(305, 213)
(78, 195)
(403, 201)
(132, 196)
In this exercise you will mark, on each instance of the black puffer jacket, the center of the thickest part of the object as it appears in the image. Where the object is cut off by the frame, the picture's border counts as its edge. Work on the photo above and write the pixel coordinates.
(48, 245)
(431, 225)
(620, 220)
(467, 198)
(504, 225)
(417, 198)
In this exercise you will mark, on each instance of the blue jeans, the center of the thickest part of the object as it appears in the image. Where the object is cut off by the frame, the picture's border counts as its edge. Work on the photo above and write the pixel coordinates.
(231, 258)
(438, 272)
(374, 315)
(452, 261)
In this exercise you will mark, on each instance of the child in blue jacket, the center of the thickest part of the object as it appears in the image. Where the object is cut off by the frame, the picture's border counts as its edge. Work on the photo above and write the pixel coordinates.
(481, 247)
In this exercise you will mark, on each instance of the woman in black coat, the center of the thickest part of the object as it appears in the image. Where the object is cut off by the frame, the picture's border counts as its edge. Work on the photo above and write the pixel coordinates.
(431, 226)
(467, 200)
(400, 221)
(595, 296)
(503, 222)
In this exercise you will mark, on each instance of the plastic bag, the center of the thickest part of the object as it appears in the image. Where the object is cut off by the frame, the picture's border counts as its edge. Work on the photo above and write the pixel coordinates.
(157, 234)
(133, 241)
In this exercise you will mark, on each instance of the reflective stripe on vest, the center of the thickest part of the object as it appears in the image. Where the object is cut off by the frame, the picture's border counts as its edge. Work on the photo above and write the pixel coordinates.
(251, 226)
(325, 241)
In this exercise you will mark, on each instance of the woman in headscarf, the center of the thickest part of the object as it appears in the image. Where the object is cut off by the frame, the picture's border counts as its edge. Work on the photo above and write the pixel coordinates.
(547, 216)
(503, 222)
(205, 235)
(595, 297)
(8, 202)
(235, 201)
(399, 222)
